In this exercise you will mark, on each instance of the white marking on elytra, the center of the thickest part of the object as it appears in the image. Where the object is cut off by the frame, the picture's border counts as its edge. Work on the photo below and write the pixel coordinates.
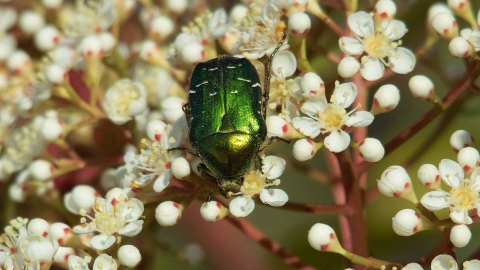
(192, 92)
(205, 82)
(213, 94)
(212, 69)
(242, 79)
(234, 92)
(257, 84)
(230, 67)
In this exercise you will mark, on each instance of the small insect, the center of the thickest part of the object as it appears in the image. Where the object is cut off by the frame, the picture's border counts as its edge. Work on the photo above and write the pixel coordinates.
(226, 113)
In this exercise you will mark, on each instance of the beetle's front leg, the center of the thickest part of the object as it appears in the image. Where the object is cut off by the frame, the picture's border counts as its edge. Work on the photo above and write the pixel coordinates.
(206, 173)
(188, 150)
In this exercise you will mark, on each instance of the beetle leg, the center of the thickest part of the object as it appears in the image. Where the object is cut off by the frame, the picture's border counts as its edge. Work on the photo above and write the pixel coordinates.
(270, 140)
(268, 65)
(188, 150)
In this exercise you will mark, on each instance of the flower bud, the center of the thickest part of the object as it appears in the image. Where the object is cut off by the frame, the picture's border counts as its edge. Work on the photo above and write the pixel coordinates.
(91, 47)
(348, 67)
(41, 169)
(61, 256)
(177, 6)
(437, 8)
(323, 238)
(168, 213)
(460, 235)
(462, 9)
(8, 45)
(371, 150)
(385, 99)
(192, 53)
(279, 127)
(237, 13)
(460, 48)
(38, 226)
(53, 4)
(47, 38)
(384, 10)
(156, 129)
(172, 109)
(52, 129)
(161, 27)
(305, 149)
(55, 74)
(192, 254)
(299, 24)
(19, 62)
(9, 17)
(213, 211)
(30, 21)
(445, 25)
(62, 233)
(421, 87)
(429, 176)
(468, 158)
(460, 139)
(108, 41)
(129, 256)
(291, 6)
(81, 197)
(180, 168)
(406, 222)
(312, 85)
(104, 261)
(395, 182)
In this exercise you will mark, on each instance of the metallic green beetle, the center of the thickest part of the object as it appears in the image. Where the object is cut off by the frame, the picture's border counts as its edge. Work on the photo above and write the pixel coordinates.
(226, 113)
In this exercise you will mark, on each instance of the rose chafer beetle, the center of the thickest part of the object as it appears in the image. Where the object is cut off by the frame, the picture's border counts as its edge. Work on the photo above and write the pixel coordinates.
(226, 113)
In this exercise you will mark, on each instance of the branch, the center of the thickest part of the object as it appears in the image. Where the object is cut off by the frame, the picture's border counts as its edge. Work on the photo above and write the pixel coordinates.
(272, 246)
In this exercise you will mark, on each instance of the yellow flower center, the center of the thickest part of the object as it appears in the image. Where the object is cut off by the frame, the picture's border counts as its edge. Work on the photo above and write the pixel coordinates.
(253, 183)
(377, 45)
(464, 196)
(125, 92)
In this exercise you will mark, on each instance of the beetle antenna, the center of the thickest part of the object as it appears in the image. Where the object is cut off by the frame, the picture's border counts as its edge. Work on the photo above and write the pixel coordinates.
(268, 66)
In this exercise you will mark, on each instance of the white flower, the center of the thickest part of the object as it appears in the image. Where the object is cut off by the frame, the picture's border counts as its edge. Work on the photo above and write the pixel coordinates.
(155, 161)
(331, 118)
(260, 31)
(124, 100)
(115, 215)
(378, 44)
(462, 197)
(256, 183)
(284, 92)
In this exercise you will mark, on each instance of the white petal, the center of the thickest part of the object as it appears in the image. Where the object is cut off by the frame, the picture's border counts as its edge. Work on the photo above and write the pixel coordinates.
(132, 229)
(435, 200)
(350, 46)
(133, 210)
(274, 197)
(314, 105)
(372, 69)
(337, 141)
(162, 181)
(307, 126)
(473, 264)
(361, 23)
(460, 216)
(444, 262)
(241, 206)
(104, 262)
(274, 166)
(475, 179)
(360, 119)
(394, 29)
(284, 64)
(451, 172)
(102, 241)
(402, 60)
(81, 229)
(345, 94)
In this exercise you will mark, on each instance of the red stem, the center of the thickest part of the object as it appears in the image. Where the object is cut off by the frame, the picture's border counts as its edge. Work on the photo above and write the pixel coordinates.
(272, 246)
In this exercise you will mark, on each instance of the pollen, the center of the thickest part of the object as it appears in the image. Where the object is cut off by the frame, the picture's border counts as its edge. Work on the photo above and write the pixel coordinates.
(464, 196)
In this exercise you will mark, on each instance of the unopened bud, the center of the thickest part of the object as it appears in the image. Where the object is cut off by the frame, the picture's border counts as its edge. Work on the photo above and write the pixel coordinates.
(460, 139)
(348, 67)
(385, 99)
